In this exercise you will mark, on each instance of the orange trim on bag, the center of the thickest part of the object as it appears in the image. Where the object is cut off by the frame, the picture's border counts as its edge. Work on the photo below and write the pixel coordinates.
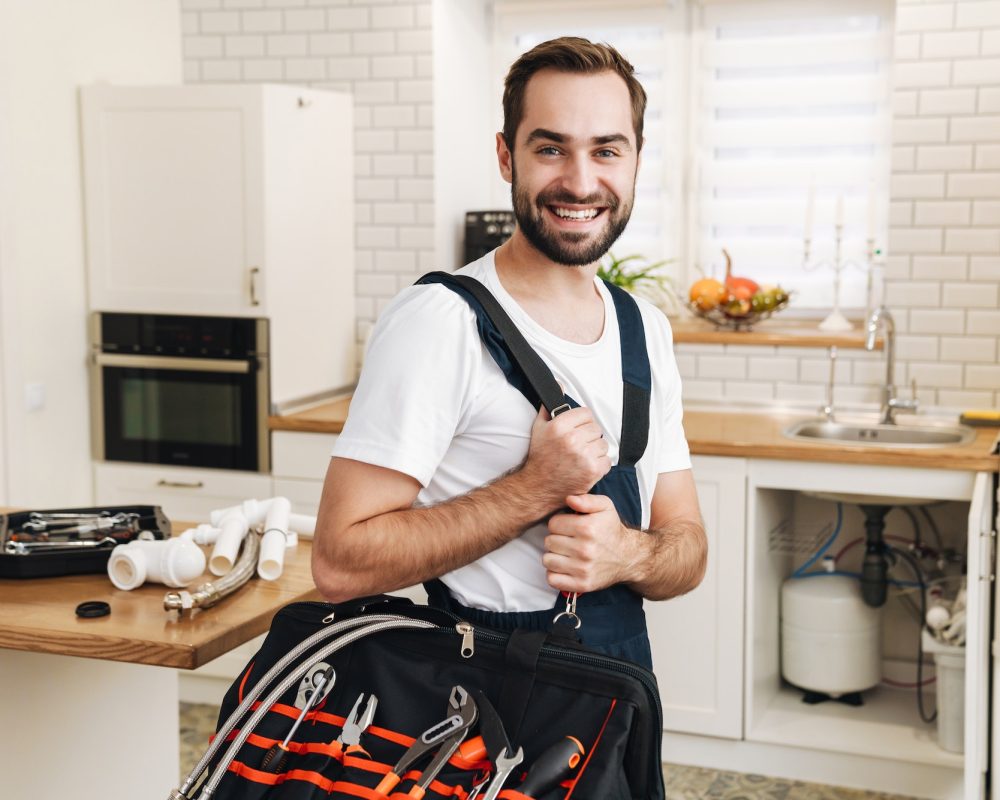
(243, 682)
(271, 779)
(590, 753)
(513, 794)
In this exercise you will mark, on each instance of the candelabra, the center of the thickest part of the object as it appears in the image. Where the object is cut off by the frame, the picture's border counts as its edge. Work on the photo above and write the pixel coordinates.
(835, 320)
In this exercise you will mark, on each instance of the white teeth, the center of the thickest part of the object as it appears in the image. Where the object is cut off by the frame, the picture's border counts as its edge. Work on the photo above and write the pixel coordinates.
(566, 213)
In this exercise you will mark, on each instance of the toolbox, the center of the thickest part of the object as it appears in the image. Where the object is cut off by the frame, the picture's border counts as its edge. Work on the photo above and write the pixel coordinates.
(44, 543)
(383, 699)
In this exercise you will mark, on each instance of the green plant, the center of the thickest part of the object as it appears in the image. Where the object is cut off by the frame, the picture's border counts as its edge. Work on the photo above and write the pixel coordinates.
(635, 274)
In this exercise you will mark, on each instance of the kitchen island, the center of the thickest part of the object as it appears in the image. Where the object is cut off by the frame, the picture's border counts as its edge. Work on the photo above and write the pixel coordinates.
(89, 707)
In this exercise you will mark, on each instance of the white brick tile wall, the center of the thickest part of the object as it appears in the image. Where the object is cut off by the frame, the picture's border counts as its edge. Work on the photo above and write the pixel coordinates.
(984, 268)
(942, 262)
(988, 156)
(978, 14)
(948, 213)
(947, 101)
(926, 267)
(969, 348)
(983, 128)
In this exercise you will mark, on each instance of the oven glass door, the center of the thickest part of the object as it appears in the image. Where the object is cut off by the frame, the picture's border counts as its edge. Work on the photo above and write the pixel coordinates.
(181, 417)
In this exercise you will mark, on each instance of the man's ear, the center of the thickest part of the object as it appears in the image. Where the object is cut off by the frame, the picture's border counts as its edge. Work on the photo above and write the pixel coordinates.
(505, 159)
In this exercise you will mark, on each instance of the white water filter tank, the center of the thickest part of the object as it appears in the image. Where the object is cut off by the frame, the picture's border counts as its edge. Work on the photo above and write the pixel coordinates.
(830, 638)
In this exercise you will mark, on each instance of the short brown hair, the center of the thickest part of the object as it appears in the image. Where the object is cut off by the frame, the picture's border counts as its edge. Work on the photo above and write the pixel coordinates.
(568, 54)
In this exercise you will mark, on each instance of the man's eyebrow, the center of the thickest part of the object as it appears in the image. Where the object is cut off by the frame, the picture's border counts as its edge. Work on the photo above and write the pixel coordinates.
(552, 136)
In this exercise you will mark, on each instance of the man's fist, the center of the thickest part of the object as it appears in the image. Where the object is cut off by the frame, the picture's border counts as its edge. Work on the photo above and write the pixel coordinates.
(567, 455)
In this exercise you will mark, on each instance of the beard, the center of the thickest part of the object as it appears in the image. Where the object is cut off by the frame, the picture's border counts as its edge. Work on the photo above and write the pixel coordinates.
(572, 249)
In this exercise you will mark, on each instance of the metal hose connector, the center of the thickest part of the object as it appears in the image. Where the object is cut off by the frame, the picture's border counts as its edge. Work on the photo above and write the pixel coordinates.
(291, 657)
(210, 593)
(212, 783)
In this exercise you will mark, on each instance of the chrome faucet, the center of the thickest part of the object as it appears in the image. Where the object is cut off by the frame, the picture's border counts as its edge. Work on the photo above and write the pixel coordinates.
(890, 403)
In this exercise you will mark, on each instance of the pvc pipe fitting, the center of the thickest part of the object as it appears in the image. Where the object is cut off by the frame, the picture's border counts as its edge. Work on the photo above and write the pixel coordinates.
(233, 528)
(272, 546)
(203, 534)
(174, 562)
(253, 510)
(303, 524)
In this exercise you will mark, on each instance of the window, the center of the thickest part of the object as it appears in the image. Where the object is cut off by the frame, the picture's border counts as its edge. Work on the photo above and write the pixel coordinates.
(755, 107)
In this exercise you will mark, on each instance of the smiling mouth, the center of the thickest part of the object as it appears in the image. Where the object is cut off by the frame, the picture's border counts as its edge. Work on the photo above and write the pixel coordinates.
(575, 214)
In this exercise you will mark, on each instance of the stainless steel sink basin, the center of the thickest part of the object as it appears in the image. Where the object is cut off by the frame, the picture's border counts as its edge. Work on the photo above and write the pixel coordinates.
(908, 436)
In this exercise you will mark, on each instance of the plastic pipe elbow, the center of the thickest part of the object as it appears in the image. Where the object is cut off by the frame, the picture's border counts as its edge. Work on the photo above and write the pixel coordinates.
(253, 510)
(174, 562)
(233, 528)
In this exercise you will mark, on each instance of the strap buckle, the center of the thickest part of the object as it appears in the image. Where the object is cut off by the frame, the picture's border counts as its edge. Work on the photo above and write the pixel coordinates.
(559, 410)
(570, 612)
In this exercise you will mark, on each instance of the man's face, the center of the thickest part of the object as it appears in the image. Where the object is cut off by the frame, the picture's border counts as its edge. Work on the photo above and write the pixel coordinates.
(573, 170)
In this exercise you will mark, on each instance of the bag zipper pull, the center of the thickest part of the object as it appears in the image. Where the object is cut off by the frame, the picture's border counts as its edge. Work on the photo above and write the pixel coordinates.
(468, 639)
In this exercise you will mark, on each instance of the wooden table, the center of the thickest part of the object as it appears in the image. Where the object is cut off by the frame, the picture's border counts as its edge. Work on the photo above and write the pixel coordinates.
(87, 704)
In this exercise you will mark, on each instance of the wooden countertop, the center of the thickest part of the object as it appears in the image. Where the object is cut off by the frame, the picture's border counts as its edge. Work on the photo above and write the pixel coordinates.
(38, 615)
(744, 434)
(770, 332)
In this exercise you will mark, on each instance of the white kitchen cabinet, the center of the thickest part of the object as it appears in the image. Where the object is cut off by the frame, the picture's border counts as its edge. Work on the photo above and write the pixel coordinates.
(697, 639)
(186, 495)
(298, 462)
(228, 201)
(883, 744)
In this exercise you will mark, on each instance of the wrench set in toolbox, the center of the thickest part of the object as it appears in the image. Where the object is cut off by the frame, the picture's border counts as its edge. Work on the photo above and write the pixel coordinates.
(72, 541)
(386, 700)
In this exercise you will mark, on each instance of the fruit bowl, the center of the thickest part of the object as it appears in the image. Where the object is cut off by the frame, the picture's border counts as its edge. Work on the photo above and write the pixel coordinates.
(722, 317)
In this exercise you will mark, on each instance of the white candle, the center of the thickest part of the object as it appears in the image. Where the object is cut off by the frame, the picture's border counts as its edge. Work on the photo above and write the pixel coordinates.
(810, 202)
(871, 211)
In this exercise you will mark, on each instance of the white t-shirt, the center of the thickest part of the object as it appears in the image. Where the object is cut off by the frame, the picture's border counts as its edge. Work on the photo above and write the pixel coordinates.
(433, 404)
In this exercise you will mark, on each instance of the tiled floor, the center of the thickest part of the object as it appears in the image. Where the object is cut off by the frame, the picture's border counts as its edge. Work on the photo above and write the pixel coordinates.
(683, 783)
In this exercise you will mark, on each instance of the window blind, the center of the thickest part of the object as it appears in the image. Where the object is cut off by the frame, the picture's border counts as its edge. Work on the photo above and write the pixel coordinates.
(649, 36)
(791, 101)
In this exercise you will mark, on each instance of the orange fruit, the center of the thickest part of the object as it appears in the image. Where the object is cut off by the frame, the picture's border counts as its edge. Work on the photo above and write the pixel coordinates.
(708, 293)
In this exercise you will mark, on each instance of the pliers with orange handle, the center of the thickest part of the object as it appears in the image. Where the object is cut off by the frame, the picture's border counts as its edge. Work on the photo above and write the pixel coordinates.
(446, 736)
(350, 734)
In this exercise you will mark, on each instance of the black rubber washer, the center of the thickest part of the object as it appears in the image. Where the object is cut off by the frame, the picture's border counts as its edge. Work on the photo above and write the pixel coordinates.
(93, 608)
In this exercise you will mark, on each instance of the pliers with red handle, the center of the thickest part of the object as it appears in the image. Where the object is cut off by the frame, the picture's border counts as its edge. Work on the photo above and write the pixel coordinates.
(446, 736)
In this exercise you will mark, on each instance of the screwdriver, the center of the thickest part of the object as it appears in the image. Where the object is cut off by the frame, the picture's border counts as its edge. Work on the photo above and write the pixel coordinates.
(552, 766)
(274, 759)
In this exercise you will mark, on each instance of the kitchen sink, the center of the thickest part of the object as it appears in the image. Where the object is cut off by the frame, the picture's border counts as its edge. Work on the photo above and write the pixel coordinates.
(928, 435)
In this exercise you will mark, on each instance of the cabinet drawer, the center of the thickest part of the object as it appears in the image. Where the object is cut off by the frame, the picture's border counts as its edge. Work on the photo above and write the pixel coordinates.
(301, 455)
(184, 494)
(303, 495)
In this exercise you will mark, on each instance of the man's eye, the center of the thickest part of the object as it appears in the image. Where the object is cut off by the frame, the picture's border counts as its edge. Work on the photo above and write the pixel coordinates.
(548, 150)
(606, 153)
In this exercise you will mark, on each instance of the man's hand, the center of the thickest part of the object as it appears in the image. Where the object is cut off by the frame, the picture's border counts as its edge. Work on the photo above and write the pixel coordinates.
(567, 455)
(590, 549)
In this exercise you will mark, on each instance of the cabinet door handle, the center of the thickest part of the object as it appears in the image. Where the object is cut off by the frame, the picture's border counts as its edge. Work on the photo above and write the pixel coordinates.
(181, 484)
(254, 300)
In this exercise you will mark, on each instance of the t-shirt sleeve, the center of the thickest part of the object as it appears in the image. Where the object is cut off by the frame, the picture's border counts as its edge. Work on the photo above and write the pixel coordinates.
(417, 383)
(672, 454)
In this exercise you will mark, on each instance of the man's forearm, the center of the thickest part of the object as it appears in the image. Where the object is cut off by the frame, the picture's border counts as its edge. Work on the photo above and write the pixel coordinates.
(401, 548)
(670, 561)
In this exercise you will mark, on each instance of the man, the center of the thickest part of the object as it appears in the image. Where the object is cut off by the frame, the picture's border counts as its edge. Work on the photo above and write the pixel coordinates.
(445, 470)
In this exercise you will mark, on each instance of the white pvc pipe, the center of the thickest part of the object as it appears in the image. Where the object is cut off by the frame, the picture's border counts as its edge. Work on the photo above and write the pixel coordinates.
(203, 534)
(303, 524)
(253, 510)
(174, 562)
(272, 546)
(234, 527)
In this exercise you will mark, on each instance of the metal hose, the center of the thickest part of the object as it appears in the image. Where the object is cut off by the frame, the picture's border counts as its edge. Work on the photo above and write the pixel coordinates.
(210, 593)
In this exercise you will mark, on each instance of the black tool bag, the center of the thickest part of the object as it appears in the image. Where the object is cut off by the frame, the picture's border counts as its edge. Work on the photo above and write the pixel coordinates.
(544, 686)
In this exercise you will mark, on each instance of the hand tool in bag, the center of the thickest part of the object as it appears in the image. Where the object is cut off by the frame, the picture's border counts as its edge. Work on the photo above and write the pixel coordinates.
(446, 735)
(274, 759)
(307, 686)
(350, 734)
(496, 745)
(552, 766)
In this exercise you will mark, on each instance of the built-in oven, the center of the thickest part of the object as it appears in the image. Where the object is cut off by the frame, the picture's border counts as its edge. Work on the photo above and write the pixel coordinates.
(186, 391)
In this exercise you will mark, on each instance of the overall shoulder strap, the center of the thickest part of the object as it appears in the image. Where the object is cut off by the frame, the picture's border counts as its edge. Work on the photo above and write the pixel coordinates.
(636, 376)
(505, 342)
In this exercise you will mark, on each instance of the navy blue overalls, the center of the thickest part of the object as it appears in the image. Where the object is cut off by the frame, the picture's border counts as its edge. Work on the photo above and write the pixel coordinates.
(613, 619)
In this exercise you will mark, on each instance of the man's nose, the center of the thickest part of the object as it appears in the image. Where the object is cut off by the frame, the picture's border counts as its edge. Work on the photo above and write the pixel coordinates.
(580, 177)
